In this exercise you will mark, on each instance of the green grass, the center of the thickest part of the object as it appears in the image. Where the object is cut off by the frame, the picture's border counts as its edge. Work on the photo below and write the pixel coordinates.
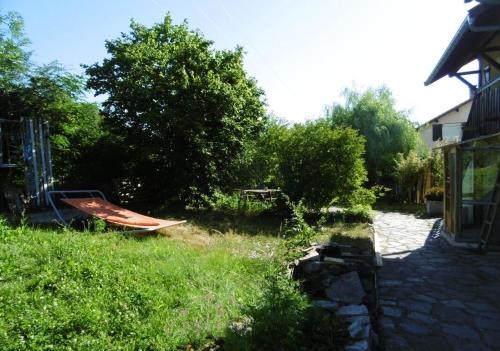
(215, 278)
(356, 234)
(68, 290)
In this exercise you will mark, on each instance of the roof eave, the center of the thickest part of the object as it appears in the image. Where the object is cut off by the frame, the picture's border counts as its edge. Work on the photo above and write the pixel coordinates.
(434, 76)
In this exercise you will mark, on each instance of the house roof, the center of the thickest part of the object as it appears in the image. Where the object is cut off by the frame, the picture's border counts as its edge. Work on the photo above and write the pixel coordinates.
(435, 119)
(474, 33)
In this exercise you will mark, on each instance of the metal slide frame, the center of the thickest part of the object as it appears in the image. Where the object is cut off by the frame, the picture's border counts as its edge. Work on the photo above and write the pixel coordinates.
(91, 193)
(35, 135)
(64, 194)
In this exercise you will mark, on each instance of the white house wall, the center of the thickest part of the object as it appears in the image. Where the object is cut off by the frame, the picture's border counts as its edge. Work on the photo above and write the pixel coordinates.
(451, 121)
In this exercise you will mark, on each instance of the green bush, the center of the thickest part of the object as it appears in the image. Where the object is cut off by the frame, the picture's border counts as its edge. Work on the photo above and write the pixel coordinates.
(319, 164)
(408, 170)
(352, 214)
(234, 204)
(297, 233)
(281, 208)
(283, 319)
(357, 214)
(363, 196)
(434, 194)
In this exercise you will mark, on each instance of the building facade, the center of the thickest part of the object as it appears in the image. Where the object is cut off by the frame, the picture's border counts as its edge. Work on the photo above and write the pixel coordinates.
(472, 163)
(447, 127)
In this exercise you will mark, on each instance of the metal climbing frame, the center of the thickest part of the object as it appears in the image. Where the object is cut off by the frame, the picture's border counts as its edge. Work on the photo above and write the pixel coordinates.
(37, 160)
(25, 145)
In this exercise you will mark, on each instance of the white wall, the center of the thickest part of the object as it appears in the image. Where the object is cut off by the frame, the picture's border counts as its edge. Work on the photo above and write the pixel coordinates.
(451, 120)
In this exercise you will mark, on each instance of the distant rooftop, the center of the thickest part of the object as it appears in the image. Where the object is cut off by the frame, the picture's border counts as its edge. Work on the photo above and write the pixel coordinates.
(454, 108)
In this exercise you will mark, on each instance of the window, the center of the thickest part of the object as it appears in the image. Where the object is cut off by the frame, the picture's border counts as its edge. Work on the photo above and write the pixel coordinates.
(452, 132)
(437, 132)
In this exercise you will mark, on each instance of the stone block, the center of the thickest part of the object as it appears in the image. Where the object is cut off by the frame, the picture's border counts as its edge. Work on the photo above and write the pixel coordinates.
(424, 318)
(460, 331)
(326, 304)
(485, 323)
(352, 310)
(391, 311)
(362, 345)
(414, 328)
(359, 329)
(346, 288)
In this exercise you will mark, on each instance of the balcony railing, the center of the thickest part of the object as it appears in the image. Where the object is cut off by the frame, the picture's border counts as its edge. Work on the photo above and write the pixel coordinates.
(484, 116)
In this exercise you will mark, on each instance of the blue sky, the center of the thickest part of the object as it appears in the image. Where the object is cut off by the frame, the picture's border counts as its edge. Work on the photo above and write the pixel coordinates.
(303, 53)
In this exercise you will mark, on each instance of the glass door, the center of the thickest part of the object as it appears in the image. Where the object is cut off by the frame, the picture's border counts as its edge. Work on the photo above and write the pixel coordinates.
(450, 168)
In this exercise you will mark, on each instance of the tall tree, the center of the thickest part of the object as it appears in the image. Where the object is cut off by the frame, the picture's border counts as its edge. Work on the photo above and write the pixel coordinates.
(387, 131)
(48, 92)
(184, 108)
(14, 57)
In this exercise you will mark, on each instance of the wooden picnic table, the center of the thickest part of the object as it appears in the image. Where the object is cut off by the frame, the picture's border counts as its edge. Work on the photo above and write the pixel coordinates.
(261, 194)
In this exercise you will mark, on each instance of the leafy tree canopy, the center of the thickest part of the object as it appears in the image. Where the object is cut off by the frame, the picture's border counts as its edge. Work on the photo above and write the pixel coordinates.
(48, 92)
(312, 162)
(258, 164)
(184, 108)
(387, 131)
(14, 58)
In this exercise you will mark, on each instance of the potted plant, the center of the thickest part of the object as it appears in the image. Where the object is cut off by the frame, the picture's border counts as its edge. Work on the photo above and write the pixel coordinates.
(434, 201)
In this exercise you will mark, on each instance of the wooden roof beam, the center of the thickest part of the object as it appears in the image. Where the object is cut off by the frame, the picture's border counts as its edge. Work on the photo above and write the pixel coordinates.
(471, 86)
(490, 60)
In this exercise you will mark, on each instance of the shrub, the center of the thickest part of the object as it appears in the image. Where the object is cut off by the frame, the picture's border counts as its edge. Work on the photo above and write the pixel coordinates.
(436, 166)
(357, 214)
(281, 208)
(408, 169)
(297, 233)
(434, 194)
(234, 204)
(363, 196)
(318, 164)
(283, 319)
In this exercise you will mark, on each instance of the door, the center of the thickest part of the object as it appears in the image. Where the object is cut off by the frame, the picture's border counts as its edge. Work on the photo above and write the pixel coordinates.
(450, 178)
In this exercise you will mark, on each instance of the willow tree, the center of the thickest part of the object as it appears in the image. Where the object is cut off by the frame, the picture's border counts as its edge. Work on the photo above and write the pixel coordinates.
(388, 131)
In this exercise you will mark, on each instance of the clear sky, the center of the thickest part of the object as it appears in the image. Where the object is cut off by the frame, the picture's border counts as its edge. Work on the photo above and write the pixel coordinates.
(303, 53)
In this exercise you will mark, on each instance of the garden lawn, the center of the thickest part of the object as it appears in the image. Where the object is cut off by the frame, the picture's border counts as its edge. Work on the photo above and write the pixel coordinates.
(356, 234)
(67, 290)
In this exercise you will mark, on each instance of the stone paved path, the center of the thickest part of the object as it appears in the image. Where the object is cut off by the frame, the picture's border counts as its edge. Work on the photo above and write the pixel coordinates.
(435, 296)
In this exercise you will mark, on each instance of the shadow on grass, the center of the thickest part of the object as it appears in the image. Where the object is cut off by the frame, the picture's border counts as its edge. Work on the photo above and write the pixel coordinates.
(89, 227)
(363, 244)
(358, 235)
(223, 222)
